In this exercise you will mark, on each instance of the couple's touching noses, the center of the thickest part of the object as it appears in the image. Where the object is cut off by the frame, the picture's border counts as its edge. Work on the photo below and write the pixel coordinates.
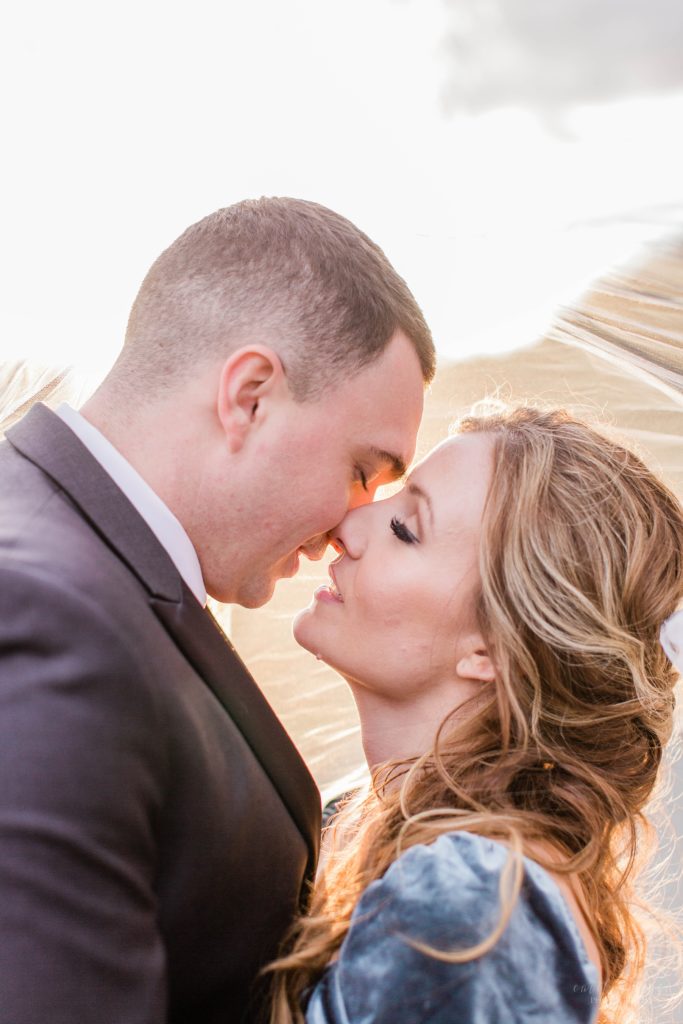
(497, 619)
(257, 476)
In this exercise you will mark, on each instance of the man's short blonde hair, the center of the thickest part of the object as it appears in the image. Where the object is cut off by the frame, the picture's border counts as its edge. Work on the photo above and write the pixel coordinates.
(283, 272)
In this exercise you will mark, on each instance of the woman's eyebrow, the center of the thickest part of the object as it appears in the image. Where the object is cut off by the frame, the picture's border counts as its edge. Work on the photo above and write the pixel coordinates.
(423, 496)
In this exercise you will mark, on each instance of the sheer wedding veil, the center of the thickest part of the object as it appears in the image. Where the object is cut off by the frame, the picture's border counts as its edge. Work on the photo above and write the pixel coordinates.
(634, 316)
(23, 383)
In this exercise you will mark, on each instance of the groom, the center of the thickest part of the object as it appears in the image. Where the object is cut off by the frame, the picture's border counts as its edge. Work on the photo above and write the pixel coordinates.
(157, 826)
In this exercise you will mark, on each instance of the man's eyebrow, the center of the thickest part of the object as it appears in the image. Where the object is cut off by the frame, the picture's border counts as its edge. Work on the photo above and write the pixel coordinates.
(419, 493)
(397, 464)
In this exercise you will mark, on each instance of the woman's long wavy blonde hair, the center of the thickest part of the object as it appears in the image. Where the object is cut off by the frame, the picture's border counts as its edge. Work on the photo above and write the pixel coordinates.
(581, 561)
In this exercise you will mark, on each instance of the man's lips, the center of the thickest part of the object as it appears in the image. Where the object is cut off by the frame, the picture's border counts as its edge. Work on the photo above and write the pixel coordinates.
(291, 567)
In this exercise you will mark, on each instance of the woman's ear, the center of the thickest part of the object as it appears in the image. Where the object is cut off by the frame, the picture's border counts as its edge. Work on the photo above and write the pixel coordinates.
(476, 665)
(247, 379)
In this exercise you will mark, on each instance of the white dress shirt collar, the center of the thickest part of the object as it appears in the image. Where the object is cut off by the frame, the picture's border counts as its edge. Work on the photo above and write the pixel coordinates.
(161, 521)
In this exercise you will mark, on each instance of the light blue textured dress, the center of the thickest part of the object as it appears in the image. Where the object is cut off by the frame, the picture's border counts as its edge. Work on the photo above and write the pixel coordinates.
(447, 895)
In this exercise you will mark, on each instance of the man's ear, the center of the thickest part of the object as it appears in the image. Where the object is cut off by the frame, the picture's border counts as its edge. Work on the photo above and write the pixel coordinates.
(476, 664)
(249, 376)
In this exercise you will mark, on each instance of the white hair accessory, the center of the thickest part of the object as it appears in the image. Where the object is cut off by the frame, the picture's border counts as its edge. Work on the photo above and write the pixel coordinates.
(671, 638)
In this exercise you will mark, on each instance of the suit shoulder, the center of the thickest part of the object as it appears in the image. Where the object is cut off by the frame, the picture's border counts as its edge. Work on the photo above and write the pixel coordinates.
(24, 491)
(41, 596)
(46, 544)
(53, 635)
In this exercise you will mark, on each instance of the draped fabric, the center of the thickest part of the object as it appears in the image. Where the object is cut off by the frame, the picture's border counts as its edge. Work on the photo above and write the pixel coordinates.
(634, 315)
(24, 383)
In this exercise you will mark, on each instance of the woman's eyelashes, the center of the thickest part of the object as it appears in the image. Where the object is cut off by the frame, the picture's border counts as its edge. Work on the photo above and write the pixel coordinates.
(362, 478)
(400, 529)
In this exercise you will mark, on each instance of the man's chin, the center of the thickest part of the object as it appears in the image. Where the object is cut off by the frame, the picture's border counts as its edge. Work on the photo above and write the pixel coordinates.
(257, 590)
(259, 593)
(253, 595)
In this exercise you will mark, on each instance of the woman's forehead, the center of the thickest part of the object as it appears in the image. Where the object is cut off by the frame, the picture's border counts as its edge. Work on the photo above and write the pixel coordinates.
(461, 451)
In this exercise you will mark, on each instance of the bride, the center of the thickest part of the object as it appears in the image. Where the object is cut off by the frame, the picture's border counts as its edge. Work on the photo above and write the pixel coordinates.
(498, 623)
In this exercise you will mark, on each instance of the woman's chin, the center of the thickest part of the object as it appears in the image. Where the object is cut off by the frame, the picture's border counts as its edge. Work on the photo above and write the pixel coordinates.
(303, 629)
(307, 633)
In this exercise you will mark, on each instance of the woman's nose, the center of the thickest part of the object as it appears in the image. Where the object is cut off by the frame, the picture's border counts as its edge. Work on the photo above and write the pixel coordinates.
(351, 535)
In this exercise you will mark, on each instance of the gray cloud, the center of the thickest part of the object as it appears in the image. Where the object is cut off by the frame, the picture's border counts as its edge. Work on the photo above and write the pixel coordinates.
(549, 55)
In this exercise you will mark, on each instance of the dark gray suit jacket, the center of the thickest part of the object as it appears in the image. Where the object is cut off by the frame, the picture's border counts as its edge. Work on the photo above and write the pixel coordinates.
(157, 826)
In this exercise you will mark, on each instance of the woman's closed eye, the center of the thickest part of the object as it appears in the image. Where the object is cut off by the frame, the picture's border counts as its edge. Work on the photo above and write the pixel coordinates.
(400, 529)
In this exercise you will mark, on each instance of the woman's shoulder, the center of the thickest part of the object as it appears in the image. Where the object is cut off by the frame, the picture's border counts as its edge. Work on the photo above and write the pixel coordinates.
(446, 897)
(476, 859)
(455, 882)
(443, 879)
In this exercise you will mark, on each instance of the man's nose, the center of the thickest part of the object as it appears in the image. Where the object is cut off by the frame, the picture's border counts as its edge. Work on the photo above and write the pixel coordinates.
(363, 495)
(347, 536)
(316, 548)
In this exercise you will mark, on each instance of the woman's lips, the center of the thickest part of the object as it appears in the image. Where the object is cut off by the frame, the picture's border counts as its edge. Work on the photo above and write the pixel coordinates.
(331, 592)
(335, 586)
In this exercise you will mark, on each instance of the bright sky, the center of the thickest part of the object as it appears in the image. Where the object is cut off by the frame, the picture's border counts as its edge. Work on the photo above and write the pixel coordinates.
(125, 123)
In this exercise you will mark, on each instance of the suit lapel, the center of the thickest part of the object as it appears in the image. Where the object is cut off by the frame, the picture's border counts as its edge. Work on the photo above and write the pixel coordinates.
(209, 651)
(46, 440)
